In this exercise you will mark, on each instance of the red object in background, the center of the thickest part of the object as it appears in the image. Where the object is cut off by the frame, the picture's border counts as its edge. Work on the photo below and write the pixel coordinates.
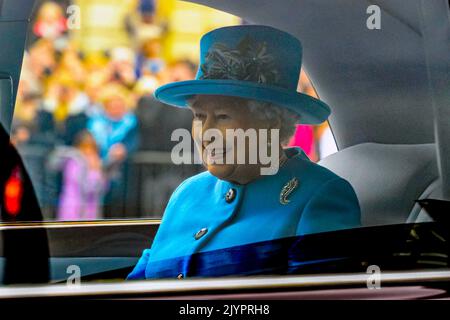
(13, 193)
(304, 138)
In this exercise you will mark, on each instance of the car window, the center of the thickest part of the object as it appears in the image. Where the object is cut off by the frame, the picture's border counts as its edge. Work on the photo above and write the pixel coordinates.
(103, 107)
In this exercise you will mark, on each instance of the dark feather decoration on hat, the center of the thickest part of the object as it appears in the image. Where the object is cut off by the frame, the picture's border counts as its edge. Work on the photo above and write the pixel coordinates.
(250, 61)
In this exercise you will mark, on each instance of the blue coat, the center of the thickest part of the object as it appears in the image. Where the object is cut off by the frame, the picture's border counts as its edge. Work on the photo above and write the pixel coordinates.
(213, 227)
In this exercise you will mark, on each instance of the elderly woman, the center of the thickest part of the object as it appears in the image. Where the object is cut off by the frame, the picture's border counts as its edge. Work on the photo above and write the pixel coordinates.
(232, 219)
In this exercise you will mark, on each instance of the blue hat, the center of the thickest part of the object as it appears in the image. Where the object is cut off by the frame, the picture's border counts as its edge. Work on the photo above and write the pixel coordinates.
(252, 62)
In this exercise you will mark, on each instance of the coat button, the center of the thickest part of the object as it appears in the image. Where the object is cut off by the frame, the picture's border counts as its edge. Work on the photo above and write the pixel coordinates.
(200, 233)
(180, 276)
(230, 195)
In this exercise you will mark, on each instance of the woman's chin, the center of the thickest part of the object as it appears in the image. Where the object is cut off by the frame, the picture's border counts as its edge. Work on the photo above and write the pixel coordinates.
(221, 171)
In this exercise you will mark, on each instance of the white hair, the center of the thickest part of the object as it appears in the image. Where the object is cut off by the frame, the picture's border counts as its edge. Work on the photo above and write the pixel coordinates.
(269, 111)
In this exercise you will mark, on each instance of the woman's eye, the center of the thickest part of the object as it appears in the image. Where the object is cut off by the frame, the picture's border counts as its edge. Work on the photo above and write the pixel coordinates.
(199, 116)
(223, 117)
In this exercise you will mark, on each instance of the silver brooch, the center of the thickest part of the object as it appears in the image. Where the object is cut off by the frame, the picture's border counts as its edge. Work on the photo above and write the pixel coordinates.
(287, 190)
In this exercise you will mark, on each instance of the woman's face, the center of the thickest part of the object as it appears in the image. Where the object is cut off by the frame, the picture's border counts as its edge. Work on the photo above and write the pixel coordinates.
(222, 113)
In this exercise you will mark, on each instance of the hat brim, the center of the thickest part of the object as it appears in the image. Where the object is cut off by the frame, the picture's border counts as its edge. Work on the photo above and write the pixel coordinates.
(310, 110)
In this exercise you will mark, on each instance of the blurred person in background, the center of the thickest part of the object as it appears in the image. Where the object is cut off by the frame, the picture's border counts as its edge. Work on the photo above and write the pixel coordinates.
(144, 25)
(149, 57)
(148, 68)
(28, 82)
(115, 131)
(20, 135)
(121, 67)
(304, 134)
(42, 60)
(317, 141)
(51, 22)
(27, 102)
(62, 113)
(71, 62)
(83, 181)
(182, 70)
(97, 76)
(114, 127)
(304, 138)
(146, 84)
(147, 34)
(23, 123)
(156, 123)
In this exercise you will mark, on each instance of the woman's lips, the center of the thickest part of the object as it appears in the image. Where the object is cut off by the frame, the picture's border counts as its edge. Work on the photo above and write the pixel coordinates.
(215, 155)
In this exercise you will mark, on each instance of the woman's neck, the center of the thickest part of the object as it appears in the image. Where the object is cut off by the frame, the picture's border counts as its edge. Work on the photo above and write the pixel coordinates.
(244, 179)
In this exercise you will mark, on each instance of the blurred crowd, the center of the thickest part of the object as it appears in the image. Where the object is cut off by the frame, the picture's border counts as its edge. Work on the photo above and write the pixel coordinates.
(86, 110)
(90, 112)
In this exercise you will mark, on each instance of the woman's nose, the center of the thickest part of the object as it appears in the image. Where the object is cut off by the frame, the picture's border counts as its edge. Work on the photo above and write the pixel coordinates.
(208, 123)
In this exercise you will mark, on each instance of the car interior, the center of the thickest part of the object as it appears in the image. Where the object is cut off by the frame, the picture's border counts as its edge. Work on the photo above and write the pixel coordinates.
(388, 117)
(382, 117)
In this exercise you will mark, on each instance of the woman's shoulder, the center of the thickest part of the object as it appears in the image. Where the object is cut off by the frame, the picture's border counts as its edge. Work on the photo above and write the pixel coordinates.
(302, 166)
(189, 193)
